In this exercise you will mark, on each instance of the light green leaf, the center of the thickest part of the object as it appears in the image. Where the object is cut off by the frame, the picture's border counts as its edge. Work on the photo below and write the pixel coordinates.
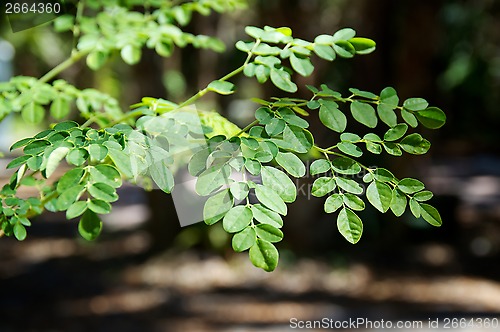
(103, 192)
(131, 54)
(431, 215)
(19, 231)
(280, 183)
(350, 149)
(77, 156)
(331, 116)
(387, 115)
(90, 226)
(364, 94)
(396, 132)
(354, 202)
(350, 137)
(333, 203)
(389, 96)
(344, 49)
(282, 79)
(269, 198)
(432, 117)
(213, 178)
(221, 87)
(423, 196)
(291, 163)
(410, 186)
(217, 206)
(237, 219)
(33, 113)
(301, 65)
(99, 206)
(325, 52)
(415, 208)
(275, 127)
(162, 176)
(97, 152)
(76, 209)
(398, 203)
(297, 139)
(349, 225)
(70, 179)
(415, 144)
(244, 239)
(291, 118)
(374, 148)
(96, 59)
(415, 104)
(105, 174)
(364, 114)
(383, 175)
(239, 190)
(269, 233)
(264, 255)
(349, 185)
(409, 118)
(319, 166)
(60, 108)
(253, 166)
(69, 196)
(363, 45)
(54, 160)
(344, 34)
(379, 195)
(266, 216)
(393, 149)
(322, 186)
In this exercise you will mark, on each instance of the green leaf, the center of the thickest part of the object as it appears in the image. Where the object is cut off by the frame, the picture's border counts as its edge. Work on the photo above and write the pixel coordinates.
(76, 209)
(162, 176)
(354, 202)
(280, 183)
(409, 118)
(415, 208)
(21, 143)
(244, 239)
(90, 226)
(350, 137)
(97, 152)
(415, 104)
(55, 159)
(333, 203)
(297, 139)
(15, 163)
(364, 113)
(69, 196)
(221, 87)
(350, 149)
(282, 79)
(398, 203)
(322, 186)
(431, 215)
(253, 166)
(415, 144)
(379, 195)
(383, 175)
(99, 206)
(70, 179)
(349, 225)
(344, 34)
(432, 117)
(19, 231)
(410, 186)
(106, 174)
(319, 166)
(374, 147)
(275, 127)
(325, 52)
(65, 125)
(264, 255)
(33, 113)
(289, 116)
(103, 192)
(269, 198)
(237, 219)
(387, 115)
(239, 190)
(423, 196)
(346, 166)
(77, 156)
(264, 115)
(363, 45)
(213, 178)
(364, 94)
(96, 59)
(349, 185)
(36, 147)
(393, 149)
(344, 49)
(291, 163)
(60, 108)
(396, 132)
(131, 54)
(217, 206)
(331, 116)
(301, 65)
(269, 233)
(266, 216)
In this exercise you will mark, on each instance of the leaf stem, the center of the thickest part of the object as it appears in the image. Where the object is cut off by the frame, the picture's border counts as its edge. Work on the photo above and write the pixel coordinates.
(75, 57)
(247, 128)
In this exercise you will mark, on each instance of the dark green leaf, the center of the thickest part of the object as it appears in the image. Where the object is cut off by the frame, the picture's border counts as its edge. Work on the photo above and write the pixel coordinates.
(291, 118)
(18, 161)
(36, 147)
(346, 166)
(322, 186)
(431, 215)
(383, 175)
(410, 186)
(331, 116)
(423, 196)
(349, 225)
(264, 255)
(301, 65)
(431, 117)
(297, 139)
(415, 104)
(99, 206)
(221, 87)
(354, 202)
(396, 132)
(393, 149)
(90, 226)
(106, 174)
(103, 192)
(21, 143)
(269, 233)
(364, 94)
(76, 209)
(282, 79)
(415, 144)
(350, 149)
(344, 49)
(349, 185)
(70, 179)
(409, 118)
(69, 196)
(387, 115)
(77, 156)
(275, 127)
(398, 203)
(19, 231)
(97, 152)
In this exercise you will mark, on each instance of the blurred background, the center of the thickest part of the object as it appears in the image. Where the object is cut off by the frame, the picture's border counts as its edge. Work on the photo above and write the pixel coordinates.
(147, 273)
